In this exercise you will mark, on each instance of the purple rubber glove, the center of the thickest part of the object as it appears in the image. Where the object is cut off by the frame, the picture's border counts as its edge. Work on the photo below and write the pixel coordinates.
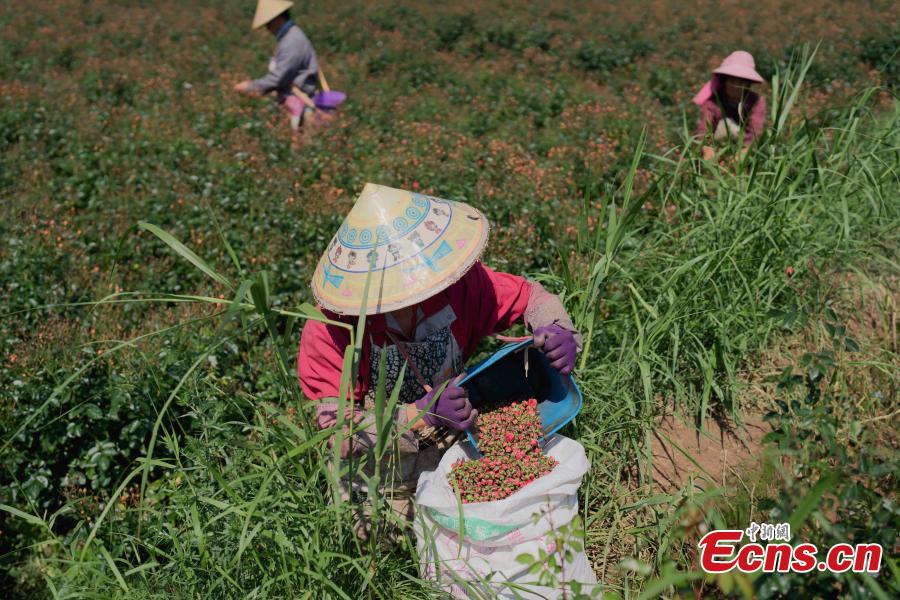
(558, 345)
(451, 409)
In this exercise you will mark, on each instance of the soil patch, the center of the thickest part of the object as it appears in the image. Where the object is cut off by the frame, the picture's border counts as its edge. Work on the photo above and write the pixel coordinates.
(868, 308)
(680, 452)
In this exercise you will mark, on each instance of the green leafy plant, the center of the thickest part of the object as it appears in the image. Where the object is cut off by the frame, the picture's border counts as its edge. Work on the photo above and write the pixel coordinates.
(549, 566)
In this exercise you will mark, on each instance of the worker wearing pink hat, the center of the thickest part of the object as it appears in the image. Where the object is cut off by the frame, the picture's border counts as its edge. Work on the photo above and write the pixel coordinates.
(729, 108)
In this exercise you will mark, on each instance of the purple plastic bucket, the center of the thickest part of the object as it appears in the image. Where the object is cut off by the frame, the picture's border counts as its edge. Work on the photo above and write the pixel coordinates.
(329, 100)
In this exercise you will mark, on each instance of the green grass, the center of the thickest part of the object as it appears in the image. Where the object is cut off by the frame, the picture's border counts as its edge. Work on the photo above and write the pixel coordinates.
(160, 237)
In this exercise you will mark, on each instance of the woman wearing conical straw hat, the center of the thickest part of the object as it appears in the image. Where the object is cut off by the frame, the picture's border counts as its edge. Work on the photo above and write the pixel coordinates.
(293, 64)
(430, 303)
(729, 108)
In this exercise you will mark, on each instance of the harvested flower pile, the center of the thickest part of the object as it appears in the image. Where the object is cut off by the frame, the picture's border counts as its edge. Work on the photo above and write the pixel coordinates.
(508, 438)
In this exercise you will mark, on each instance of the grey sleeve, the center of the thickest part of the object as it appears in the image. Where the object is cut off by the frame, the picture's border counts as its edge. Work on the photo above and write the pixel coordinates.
(365, 425)
(367, 438)
(293, 55)
(279, 73)
(545, 308)
(306, 76)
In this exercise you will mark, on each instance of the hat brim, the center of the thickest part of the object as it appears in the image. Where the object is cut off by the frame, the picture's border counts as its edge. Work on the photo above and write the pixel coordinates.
(420, 245)
(740, 72)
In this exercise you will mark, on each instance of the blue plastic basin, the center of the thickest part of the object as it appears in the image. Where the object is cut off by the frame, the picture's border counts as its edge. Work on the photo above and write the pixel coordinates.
(558, 396)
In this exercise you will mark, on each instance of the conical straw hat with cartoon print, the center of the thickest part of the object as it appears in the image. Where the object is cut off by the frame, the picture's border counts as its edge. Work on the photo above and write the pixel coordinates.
(418, 245)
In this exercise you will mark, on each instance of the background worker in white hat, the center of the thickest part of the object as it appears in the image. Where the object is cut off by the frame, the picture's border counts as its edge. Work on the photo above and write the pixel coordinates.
(294, 61)
(431, 302)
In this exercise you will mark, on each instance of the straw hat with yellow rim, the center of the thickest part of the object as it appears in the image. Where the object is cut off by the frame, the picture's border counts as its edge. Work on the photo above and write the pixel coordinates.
(418, 245)
(266, 10)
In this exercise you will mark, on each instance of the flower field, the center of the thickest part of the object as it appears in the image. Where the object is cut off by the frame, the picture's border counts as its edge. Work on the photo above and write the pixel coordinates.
(158, 234)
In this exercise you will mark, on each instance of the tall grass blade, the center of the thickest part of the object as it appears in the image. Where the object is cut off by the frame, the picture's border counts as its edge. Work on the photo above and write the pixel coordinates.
(114, 568)
(184, 252)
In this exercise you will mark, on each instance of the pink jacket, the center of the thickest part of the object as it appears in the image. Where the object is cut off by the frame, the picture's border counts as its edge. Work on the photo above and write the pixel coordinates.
(452, 324)
(711, 114)
(482, 303)
(454, 321)
(711, 111)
